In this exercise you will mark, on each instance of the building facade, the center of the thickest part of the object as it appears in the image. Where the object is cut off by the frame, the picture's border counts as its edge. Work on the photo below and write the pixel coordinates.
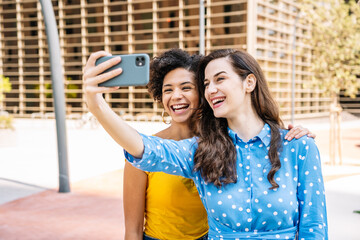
(263, 28)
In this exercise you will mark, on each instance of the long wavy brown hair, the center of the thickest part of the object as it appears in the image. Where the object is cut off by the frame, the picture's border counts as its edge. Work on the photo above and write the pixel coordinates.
(215, 156)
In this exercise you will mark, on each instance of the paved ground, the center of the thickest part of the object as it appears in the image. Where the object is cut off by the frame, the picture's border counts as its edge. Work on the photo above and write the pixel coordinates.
(93, 210)
(31, 207)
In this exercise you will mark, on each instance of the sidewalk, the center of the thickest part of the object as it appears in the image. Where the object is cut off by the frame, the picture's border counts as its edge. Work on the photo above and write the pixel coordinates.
(93, 210)
(31, 207)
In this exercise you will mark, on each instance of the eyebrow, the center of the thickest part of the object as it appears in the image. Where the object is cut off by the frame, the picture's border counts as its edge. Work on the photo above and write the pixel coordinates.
(216, 74)
(183, 83)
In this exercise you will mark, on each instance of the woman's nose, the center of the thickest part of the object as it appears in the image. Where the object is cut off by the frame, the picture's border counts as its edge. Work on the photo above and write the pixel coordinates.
(177, 93)
(211, 88)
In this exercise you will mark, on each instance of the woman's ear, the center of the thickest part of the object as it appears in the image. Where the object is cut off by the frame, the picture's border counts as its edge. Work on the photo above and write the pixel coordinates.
(250, 83)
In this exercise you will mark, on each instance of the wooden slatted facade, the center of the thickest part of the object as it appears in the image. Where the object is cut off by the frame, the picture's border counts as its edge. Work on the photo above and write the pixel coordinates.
(263, 28)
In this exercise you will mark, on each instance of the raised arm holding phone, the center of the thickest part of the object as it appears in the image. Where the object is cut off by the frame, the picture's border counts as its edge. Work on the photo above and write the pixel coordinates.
(119, 130)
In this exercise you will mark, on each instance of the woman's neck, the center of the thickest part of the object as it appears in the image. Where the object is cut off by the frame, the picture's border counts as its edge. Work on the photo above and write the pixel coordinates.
(246, 125)
(176, 131)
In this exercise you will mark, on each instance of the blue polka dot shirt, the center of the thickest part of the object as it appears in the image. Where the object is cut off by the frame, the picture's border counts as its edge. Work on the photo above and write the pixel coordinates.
(248, 209)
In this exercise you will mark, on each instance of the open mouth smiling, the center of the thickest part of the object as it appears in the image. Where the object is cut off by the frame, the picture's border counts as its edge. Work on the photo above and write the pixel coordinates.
(217, 101)
(179, 107)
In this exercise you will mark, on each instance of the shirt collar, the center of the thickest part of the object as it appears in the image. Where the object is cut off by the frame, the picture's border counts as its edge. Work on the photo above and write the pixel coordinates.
(264, 135)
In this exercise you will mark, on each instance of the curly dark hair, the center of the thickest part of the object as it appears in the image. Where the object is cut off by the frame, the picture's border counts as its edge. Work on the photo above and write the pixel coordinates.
(215, 156)
(166, 62)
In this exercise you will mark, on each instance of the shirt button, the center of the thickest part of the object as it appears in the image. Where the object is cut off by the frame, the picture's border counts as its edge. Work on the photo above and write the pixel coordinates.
(246, 146)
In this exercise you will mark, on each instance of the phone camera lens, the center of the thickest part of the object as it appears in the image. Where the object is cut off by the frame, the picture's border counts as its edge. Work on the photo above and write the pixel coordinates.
(140, 61)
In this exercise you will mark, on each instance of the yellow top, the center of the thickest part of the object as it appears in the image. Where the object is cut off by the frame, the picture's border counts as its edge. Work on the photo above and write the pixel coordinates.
(173, 208)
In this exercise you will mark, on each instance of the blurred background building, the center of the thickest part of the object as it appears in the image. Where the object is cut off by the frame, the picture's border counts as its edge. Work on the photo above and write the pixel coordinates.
(263, 28)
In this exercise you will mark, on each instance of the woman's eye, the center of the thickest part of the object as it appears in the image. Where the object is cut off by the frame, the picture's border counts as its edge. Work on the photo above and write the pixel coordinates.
(187, 88)
(167, 90)
(206, 84)
(220, 78)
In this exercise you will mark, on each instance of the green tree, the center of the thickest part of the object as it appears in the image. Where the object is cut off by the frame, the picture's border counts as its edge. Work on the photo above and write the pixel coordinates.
(335, 44)
(5, 119)
(5, 86)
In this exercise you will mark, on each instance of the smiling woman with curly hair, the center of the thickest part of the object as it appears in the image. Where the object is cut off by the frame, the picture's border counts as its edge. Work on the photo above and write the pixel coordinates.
(171, 204)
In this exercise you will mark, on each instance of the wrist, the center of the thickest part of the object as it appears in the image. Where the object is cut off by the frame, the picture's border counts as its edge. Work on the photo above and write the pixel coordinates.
(96, 104)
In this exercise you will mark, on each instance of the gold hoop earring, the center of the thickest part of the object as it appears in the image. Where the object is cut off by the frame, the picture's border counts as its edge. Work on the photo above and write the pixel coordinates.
(165, 119)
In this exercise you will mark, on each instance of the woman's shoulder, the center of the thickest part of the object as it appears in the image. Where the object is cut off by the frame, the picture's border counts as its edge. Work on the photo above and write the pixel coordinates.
(303, 142)
(304, 139)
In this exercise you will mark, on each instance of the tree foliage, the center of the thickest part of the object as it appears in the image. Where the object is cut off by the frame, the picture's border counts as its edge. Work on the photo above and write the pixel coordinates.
(5, 119)
(335, 44)
(5, 86)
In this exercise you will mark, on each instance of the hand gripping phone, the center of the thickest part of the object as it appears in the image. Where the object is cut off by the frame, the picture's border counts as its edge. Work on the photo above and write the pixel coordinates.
(135, 70)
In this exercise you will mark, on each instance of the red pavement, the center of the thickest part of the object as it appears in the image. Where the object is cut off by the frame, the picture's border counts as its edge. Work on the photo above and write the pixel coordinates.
(93, 210)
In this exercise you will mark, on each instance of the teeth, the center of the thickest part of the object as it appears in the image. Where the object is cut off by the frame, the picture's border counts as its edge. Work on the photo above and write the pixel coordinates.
(215, 101)
(179, 106)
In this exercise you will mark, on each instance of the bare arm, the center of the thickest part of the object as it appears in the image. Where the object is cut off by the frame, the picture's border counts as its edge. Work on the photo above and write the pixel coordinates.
(135, 182)
(119, 130)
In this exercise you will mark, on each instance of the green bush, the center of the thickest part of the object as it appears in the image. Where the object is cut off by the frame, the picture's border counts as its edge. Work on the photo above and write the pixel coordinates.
(5, 86)
(6, 122)
(5, 119)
